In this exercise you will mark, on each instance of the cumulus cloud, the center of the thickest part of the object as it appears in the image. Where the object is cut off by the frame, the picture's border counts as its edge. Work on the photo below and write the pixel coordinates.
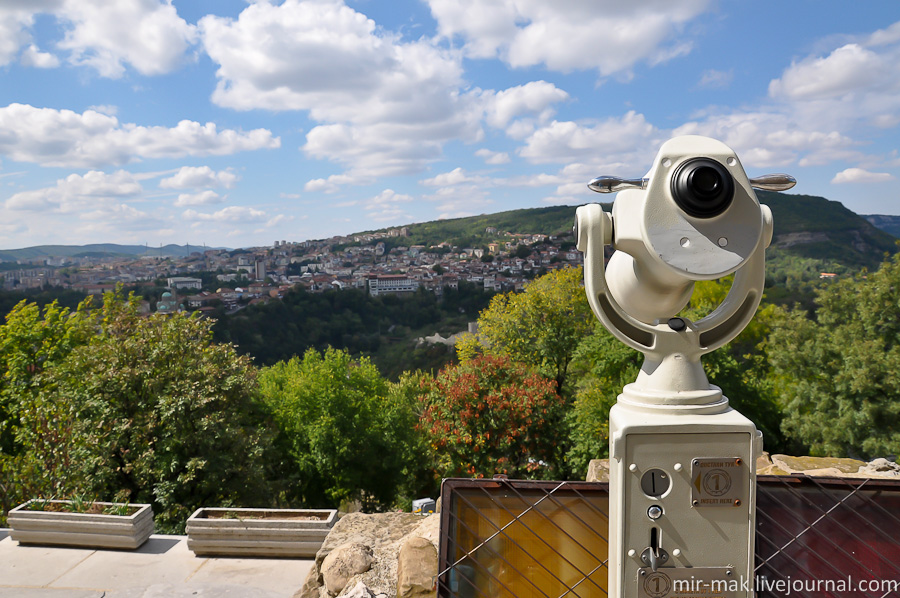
(233, 214)
(713, 79)
(533, 98)
(16, 18)
(330, 185)
(856, 83)
(65, 138)
(846, 69)
(204, 198)
(386, 106)
(607, 35)
(146, 34)
(33, 57)
(491, 157)
(610, 140)
(195, 177)
(859, 175)
(106, 36)
(77, 192)
(446, 179)
(386, 206)
(774, 138)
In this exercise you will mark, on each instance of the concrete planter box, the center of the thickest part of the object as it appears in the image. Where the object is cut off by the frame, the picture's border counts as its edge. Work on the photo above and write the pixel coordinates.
(259, 532)
(86, 530)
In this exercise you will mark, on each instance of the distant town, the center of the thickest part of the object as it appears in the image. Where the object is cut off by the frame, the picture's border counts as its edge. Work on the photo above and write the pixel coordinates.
(378, 262)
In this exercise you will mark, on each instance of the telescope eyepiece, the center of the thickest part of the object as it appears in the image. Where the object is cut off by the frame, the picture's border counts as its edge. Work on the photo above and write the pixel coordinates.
(702, 187)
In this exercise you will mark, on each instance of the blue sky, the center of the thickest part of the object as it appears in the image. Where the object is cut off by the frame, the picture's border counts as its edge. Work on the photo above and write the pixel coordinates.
(235, 123)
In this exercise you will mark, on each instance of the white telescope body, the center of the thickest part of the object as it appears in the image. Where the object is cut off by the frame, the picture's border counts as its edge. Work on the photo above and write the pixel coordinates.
(682, 462)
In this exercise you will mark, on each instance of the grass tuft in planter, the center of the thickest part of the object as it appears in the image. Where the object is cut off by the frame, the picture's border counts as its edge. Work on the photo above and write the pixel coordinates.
(296, 533)
(81, 523)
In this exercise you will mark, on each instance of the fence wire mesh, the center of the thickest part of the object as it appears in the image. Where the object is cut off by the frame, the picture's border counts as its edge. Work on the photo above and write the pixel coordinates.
(821, 537)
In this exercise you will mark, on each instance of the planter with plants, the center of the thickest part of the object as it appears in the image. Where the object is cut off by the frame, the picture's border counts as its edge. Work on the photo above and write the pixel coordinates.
(83, 523)
(296, 533)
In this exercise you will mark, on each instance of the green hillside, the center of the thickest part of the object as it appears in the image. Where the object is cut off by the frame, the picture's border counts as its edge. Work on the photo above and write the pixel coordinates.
(96, 250)
(807, 227)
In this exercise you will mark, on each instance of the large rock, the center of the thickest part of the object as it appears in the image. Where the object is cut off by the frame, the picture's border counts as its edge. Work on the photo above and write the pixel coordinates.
(383, 533)
(344, 562)
(417, 566)
(598, 470)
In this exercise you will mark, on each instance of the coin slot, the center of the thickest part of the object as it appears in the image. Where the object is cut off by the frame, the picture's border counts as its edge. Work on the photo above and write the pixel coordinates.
(655, 483)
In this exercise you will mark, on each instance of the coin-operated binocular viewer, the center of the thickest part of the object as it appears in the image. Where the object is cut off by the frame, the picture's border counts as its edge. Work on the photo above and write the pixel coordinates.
(682, 462)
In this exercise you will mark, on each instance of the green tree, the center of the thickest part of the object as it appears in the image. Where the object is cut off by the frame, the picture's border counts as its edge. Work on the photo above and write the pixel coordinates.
(36, 434)
(742, 367)
(603, 365)
(541, 326)
(493, 415)
(164, 415)
(839, 374)
(347, 435)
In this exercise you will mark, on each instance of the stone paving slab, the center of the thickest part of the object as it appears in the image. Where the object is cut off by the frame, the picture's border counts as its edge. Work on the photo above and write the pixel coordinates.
(163, 567)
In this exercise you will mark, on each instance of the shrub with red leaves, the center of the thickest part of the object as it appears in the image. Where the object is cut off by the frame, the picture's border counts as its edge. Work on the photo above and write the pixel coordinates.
(493, 415)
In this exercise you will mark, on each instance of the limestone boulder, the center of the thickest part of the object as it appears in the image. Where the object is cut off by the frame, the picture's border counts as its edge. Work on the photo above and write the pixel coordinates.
(383, 533)
(344, 562)
(598, 470)
(417, 565)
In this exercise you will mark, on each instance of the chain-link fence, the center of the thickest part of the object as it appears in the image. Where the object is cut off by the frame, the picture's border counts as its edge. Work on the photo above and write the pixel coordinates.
(816, 537)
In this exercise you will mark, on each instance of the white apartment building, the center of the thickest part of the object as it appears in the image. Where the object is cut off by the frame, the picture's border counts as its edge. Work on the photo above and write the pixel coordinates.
(392, 283)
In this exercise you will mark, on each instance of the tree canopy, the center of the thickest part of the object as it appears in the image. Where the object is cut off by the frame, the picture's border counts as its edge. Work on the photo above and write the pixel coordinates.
(839, 373)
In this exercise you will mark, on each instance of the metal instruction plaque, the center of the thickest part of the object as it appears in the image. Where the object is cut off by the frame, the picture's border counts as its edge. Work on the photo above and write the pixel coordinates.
(689, 582)
(718, 482)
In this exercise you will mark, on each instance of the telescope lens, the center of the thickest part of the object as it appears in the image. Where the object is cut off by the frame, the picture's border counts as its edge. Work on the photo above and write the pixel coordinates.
(702, 187)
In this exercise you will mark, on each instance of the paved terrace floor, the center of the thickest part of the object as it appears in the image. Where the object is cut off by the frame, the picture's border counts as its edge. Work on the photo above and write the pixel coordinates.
(163, 567)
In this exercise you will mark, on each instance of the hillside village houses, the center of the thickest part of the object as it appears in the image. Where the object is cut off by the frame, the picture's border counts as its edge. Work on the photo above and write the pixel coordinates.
(259, 274)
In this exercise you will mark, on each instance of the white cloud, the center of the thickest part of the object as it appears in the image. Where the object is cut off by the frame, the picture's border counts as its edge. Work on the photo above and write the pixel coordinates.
(195, 177)
(106, 36)
(64, 138)
(713, 79)
(204, 198)
(33, 57)
(279, 219)
(566, 141)
(607, 35)
(846, 69)
(77, 192)
(234, 214)
(456, 176)
(386, 106)
(146, 34)
(774, 138)
(491, 157)
(856, 84)
(458, 201)
(16, 18)
(386, 206)
(859, 175)
(330, 185)
(533, 98)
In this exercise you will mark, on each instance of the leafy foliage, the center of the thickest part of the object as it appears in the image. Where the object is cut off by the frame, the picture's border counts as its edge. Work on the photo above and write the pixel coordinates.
(838, 374)
(492, 415)
(164, 414)
(36, 433)
(347, 434)
(540, 327)
(603, 366)
(353, 320)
